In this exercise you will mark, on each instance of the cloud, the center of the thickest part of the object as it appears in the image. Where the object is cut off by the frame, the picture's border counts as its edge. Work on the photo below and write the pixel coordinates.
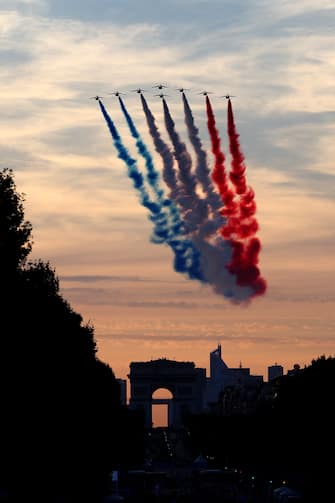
(286, 9)
(23, 6)
(148, 11)
(13, 57)
(281, 339)
(123, 279)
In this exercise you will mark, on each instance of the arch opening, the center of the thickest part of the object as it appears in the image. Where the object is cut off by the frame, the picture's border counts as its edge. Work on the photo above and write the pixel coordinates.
(161, 407)
(162, 394)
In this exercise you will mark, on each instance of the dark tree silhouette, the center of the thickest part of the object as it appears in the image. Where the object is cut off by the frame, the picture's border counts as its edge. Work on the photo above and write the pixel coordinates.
(304, 410)
(61, 424)
(15, 232)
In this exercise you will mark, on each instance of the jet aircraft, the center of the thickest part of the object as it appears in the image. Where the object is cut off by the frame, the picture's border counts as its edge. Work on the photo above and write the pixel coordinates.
(160, 86)
(138, 90)
(161, 95)
(182, 89)
(95, 97)
(205, 92)
(228, 96)
(116, 93)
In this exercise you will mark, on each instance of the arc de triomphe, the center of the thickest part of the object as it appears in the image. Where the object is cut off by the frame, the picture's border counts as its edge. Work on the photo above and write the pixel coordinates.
(186, 383)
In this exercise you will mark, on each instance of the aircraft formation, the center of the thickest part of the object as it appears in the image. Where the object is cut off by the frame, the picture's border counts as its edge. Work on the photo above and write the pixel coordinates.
(161, 94)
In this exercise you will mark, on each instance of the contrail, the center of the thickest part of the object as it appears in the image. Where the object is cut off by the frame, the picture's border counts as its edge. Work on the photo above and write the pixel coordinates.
(219, 175)
(228, 261)
(246, 253)
(247, 205)
(216, 255)
(238, 208)
(168, 173)
(162, 148)
(194, 209)
(153, 175)
(202, 170)
(131, 163)
(224, 282)
(161, 219)
(187, 258)
(248, 225)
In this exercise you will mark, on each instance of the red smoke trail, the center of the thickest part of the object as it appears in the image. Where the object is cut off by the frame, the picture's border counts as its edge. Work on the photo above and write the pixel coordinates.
(239, 206)
(230, 229)
(219, 174)
(247, 205)
(247, 247)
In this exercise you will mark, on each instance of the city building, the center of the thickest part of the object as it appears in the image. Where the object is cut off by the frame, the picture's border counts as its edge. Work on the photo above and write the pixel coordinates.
(223, 377)
(275, 371)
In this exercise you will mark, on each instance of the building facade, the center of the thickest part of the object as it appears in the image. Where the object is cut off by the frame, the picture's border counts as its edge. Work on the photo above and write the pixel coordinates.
(275, 371)
(186, 383)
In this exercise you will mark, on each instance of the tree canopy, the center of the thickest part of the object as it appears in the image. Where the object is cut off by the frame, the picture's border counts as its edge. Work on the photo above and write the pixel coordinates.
(15, 232)
(60, 404)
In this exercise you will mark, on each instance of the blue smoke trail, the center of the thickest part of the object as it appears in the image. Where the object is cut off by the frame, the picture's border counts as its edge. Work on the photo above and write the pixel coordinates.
(152, 175)
(133, 173)
(187, 259)
(161, 219)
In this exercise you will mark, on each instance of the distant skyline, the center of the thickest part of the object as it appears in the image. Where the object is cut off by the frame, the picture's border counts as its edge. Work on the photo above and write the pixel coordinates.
(278, 60)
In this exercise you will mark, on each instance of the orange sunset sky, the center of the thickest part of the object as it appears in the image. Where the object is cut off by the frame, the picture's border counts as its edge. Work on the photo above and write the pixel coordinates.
(87, 220)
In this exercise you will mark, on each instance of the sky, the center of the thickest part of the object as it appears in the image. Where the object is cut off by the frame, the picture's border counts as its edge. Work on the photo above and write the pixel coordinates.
(277, 58)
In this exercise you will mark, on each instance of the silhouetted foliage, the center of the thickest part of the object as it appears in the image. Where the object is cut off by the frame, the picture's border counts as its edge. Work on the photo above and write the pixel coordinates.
(61, 424)
(15, 232)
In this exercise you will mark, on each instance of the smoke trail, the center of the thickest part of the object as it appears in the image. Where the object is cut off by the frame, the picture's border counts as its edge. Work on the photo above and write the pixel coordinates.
(202, 171)
(160, 230)
(219, 173)
(163, 149)
(218, 255)
(247, 205)
(169, 173)
(199, 259)
(248, 225)
(187, 258)
(178, 241)
(153, 175)
(238, 209)
(161, 219)
(245, 254)
(194, 209)
(223, 281)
